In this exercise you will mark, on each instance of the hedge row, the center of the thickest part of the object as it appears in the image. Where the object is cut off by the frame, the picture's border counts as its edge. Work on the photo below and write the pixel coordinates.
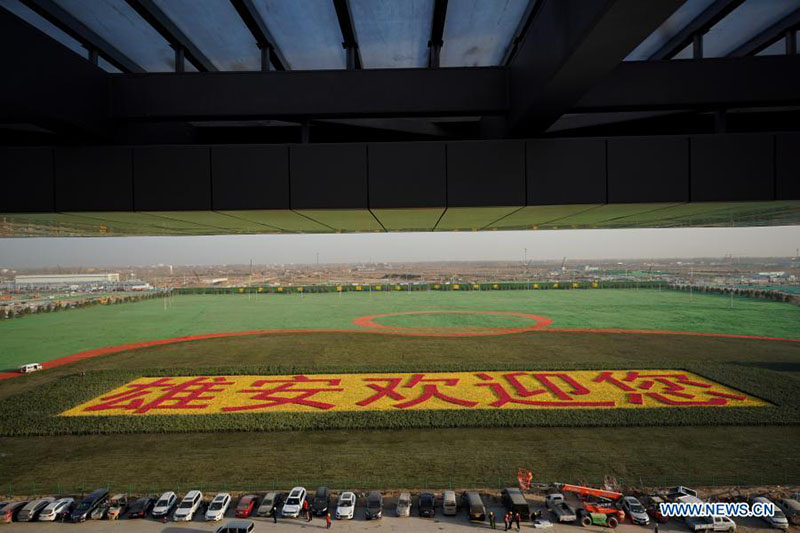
(421, 287)
(35, 412)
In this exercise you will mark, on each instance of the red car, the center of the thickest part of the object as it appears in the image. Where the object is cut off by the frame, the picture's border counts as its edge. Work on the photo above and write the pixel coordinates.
(247, 505)
(10, 511)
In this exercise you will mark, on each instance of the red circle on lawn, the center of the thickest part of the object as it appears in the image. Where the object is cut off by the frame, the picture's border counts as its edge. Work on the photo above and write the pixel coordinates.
(538, 322)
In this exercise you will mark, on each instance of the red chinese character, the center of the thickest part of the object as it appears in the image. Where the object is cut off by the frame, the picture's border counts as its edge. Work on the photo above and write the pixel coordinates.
(547, 379)
(671, 386)
(429, 390)
(175, 395)
(283, 392)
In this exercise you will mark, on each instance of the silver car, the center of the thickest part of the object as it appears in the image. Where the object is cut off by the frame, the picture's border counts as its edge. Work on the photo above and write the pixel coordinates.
(634, 508)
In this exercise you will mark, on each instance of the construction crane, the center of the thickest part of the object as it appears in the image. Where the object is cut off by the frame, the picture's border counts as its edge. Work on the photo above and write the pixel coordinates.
(604, 501)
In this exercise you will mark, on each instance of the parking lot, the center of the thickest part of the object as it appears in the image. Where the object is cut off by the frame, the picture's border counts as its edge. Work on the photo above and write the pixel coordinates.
(388, 523)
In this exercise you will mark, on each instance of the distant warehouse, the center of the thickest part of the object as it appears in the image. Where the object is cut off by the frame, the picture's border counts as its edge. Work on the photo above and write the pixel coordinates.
(65, 280)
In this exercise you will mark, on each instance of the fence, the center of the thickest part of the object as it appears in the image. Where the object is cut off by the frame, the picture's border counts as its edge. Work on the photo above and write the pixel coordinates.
(421, 483)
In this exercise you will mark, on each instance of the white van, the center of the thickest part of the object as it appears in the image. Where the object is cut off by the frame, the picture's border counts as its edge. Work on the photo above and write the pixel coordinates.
(449, 504)
(30, 367)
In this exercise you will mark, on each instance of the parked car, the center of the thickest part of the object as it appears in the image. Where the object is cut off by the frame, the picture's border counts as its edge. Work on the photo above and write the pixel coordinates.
(653, 506)
(346, 506)
(10, 511)
(791, 508)
(322, 500)
(427, 505)
(218, 507)
(188, 506)
(237, 526)
(31, 511)
(404, 505)
(710, 523)
(635, 510)
(777, 520)
(88, 505)
(449, 503)
(247, 505)
(476, 510)
(117, 505)
(515, 501)
(374, 505)
(56, 509)
(165, 504)
(272, 500)
(294, 503)
(100, 511)
(140, 507)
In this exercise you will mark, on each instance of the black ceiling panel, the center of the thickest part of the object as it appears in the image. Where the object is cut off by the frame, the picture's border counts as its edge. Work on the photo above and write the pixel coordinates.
(787, 161)
(26, 179)
(96, 178)
(566, 171)
(329, 176)
(250, 177)
(170, 178)
(485, 173)
(407, 175)
(648, 169)
(730, 168)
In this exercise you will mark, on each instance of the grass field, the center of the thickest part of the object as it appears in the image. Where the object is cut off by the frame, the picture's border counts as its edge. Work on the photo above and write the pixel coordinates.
(47, 336)
(690, 446)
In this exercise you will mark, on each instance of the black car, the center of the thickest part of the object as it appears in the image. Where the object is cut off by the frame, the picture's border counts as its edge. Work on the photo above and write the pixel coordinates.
(374, 505)
(140, 507)
(322, 500)
(89, 504)
(427, 505)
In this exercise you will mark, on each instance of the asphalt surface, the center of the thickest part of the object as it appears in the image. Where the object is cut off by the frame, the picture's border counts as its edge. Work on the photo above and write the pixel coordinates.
(389, 522)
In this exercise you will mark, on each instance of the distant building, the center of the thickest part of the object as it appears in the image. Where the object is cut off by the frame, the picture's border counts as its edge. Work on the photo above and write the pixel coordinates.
(64, 280)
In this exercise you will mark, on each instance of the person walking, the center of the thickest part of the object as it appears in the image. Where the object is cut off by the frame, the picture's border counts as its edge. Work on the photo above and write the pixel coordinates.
(275, 512)
(656, 528)
(491, 519)
(516, 519)
(306, 511)
(328, 521)
(506, 521)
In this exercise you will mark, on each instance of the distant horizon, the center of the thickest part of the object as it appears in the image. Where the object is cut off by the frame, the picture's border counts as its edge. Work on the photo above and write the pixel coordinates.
(359, 248)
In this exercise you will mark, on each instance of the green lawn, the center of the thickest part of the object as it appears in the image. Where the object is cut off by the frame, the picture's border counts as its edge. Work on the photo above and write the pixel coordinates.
(48, 336)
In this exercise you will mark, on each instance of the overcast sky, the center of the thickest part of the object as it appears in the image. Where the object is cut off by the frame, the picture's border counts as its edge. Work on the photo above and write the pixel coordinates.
(397, 247)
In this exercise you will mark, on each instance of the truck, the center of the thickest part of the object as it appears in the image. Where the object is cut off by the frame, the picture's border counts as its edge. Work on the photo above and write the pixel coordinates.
(710, 523)
(558, 505)
(597, 500)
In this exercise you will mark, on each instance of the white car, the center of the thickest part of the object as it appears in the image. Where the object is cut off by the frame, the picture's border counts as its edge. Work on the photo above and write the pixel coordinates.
(404, 505)
(294, 503)
(635, 510)
(218, 507)
(164, 504)
(778, 519)
(52, 511)
(346, 506)
(188, 506)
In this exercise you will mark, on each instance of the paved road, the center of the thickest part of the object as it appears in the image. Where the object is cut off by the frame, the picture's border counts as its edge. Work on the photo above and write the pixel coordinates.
(389, 523)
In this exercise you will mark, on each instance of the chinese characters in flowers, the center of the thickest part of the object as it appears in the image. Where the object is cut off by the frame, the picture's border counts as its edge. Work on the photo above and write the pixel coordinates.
(585, 389)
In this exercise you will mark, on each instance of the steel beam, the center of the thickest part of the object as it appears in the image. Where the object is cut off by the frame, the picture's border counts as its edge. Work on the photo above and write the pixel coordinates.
(768, 36)
(76, 29)
(570, 46)
(710, 16)
(349, 39)
(437, 33)
(149, 11)
(266, 42)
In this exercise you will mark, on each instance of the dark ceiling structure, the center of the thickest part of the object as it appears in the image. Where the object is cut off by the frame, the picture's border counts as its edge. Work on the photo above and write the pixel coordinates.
(181, 117)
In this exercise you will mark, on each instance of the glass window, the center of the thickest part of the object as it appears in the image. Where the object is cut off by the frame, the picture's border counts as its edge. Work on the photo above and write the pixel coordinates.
(478, 32)
(778, 48)
(307, 33)
(744, 23)
(217, 30)
(393, 34)
(123, 28)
